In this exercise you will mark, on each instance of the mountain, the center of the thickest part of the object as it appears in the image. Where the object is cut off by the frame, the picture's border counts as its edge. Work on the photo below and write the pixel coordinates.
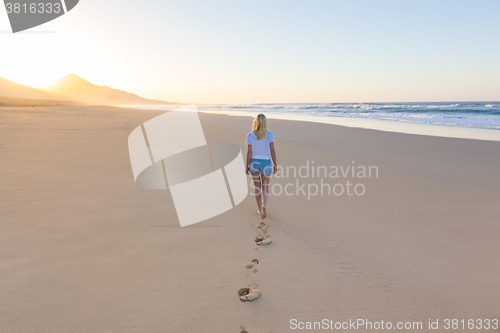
(12, 89)
(69, 89)
(72, 87)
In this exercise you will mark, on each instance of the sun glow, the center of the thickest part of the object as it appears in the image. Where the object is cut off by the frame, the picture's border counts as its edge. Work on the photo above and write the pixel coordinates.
(35, 80)
(42, 58)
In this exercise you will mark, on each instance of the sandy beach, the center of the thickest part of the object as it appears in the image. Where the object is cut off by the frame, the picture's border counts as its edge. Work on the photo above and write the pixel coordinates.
(83, 249)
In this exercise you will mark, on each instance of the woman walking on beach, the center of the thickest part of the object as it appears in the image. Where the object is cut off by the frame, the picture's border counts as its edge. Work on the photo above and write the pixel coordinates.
(260, 151)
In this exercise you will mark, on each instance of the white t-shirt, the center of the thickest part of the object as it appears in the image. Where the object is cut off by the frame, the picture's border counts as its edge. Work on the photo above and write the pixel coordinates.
(260, 148)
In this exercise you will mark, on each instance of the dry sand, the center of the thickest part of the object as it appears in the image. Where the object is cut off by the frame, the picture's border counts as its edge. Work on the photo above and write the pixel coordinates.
(83, 249)
(28, 102)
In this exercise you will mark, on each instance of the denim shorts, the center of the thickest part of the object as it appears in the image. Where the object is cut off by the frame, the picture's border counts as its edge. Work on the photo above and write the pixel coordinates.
(264, 166)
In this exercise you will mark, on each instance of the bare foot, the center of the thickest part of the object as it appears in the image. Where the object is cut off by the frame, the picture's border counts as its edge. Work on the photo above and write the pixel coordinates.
(264, 213)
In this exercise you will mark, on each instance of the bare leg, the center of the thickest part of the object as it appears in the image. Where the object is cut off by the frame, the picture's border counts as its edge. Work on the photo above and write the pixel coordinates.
(265, 188)
(257, 183)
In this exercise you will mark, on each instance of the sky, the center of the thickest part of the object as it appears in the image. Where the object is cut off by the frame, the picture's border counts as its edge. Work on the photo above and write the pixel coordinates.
(268, 51)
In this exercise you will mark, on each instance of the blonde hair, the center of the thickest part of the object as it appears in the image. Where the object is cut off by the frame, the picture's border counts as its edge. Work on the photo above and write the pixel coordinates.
(259, 126)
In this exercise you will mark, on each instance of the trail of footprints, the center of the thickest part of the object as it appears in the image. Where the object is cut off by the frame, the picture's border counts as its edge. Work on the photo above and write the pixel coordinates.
(249, 294)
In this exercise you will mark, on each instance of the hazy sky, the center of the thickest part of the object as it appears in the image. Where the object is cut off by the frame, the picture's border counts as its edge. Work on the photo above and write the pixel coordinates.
(210, 51)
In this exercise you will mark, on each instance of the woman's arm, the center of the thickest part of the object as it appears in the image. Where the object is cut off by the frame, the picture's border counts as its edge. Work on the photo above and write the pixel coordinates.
(249, 157)
(273, 156)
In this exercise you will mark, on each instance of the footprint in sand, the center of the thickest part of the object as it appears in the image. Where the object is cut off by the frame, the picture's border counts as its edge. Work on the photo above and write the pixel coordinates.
(263, 240)
(263, 227)
(253, 265)
(248, 295)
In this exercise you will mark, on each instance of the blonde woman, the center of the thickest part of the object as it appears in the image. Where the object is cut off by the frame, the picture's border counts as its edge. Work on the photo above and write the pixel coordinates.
(259, 154)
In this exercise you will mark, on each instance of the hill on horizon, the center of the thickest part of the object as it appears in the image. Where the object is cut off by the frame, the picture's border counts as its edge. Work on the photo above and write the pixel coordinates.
(72, 88)
(10, 88)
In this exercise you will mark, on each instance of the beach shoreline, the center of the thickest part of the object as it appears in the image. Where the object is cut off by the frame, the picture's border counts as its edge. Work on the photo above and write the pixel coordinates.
(387, 126)
(395, 126)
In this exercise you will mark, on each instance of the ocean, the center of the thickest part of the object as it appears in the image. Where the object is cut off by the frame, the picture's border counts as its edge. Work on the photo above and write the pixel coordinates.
(484, 115)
